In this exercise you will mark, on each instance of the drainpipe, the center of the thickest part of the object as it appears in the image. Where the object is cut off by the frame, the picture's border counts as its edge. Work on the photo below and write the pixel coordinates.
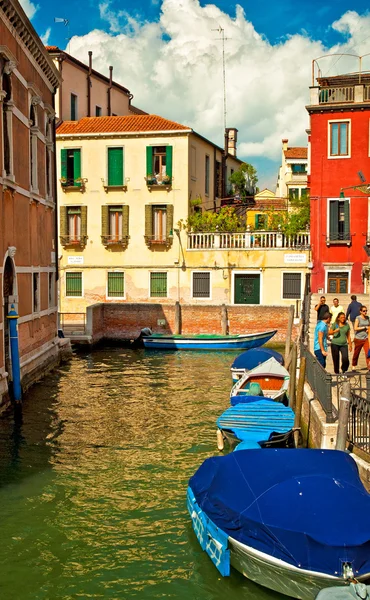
(110, 91)
(89, 85)
(14, 352)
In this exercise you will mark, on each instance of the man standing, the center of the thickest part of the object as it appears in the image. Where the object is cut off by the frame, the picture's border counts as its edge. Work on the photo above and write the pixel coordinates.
(321, 308)
(335, 310)
(353, 310)
(320, 345)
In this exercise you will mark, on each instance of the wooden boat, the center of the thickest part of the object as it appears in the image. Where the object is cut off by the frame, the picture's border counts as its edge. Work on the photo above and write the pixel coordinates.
(270, 380)
(158, 341)
(251, 359)
(294, 521)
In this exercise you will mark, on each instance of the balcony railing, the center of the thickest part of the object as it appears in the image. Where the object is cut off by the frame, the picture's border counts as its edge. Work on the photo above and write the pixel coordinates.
(114, 240)
(153, 241)
(248, 240)
(78, 241)
(69, 185)
(367, 93)
(337, 95)
(336, 237)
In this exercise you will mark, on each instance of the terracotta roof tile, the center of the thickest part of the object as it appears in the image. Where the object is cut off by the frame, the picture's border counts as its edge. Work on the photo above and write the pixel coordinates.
(52, 49)
(296, 153)
(134, 123)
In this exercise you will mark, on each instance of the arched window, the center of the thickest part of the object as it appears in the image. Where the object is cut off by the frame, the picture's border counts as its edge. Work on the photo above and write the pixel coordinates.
(6, 110)
(33, 144)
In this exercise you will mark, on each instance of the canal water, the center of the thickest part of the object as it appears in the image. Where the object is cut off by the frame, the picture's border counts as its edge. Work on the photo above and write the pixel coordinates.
(93, 480)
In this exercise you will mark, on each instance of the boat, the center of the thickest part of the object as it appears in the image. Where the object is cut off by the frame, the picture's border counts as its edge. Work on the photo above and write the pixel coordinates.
(353, 591)
(252, 358)
(158, 341)
(295, 521)
(270, 379)
(255, 423)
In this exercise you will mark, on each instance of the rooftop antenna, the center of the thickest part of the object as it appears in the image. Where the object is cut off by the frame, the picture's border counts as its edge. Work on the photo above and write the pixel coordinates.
(66, 24)
(221, 31)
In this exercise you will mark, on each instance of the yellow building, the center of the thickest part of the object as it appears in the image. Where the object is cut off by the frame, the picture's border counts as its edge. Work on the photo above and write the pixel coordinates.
(125, 184)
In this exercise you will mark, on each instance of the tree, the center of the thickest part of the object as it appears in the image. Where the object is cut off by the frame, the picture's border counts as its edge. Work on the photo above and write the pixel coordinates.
(226, 220)
(295, 220)
(244, 179)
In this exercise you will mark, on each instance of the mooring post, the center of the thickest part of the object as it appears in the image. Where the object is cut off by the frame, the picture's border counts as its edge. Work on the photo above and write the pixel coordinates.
(224, 326)
(177, 318)
(343, 416)
(289, 330)
(14, 353)
(293, 376)
(299, 400)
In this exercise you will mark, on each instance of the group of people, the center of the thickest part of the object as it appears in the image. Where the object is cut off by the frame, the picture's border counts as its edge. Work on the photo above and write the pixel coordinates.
(335, 325)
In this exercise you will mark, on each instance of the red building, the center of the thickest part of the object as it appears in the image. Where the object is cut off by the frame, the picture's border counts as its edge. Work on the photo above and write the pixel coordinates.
(339, 149)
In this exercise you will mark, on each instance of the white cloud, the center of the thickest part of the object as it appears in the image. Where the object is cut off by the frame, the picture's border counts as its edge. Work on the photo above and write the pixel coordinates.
(174, 68)
(29, 8)
(45, 36)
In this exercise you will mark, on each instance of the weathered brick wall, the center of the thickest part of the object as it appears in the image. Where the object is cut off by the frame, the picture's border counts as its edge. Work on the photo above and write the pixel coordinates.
(125, 321)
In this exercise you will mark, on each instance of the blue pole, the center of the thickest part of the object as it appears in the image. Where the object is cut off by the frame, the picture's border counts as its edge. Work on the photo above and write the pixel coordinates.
(14, 352)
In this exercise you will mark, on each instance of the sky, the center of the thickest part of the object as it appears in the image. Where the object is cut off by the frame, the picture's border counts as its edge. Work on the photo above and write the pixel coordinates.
(168, 53)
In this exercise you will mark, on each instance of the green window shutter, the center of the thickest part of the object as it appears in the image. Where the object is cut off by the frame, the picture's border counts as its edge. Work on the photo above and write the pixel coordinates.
(116, 285)
(148, 222)
(125, 221)
(169, 161)
(346, 219)
(169, 222)
(77, 167)
(84, 220)
(105, 220)
(115, 166)
(74, 284)
(63, 161)
(256, 221)
(149, 161)
(333, 219)
(63, 226)
(158, 285)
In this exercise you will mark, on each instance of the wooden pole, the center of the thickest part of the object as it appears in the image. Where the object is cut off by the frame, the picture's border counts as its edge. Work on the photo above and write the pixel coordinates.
(289, 332)
(224, 326)
(177, 318)
(343, 416)
(299, 400)
(293, 377)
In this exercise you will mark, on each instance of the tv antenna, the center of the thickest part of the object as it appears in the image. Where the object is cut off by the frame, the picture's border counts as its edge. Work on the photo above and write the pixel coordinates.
(221, 31)
(66, 24)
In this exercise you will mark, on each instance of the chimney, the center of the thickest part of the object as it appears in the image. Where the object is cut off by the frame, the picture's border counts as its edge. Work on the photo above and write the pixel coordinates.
(110, 91)
(285, 145)
(232, 140)
(89, 85)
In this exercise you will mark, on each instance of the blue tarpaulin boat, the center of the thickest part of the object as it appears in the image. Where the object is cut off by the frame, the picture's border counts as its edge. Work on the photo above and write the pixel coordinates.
(295, 521)
(157, 341)
(252, 358)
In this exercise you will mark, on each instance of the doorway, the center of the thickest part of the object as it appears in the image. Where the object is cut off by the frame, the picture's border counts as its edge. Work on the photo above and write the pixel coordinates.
(8, 295)
(338, 283)
(247, 289)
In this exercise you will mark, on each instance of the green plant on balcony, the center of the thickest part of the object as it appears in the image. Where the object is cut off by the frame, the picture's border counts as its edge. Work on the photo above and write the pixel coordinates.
(226, 220)
(296, 219)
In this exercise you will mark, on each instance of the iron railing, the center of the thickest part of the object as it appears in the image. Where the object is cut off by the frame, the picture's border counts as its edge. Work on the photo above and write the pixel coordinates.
(359, 424)
(72, 323)
(320, 381)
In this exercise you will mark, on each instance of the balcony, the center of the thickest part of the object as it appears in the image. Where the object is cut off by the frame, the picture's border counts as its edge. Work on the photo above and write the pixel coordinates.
(337, 95)
(73, 241)
(159, 182)
(256, 240)
(73, 185)
(326, 95)
(338, 238)
(155, 241)
(111, 241)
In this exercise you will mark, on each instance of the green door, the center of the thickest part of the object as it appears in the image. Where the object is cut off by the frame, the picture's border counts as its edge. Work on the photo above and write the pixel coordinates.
(247, 289)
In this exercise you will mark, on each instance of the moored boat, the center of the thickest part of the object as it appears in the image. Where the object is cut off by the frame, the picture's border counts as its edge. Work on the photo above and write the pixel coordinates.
(251, 359)
(270, 379)
(295, 523)
(158, 341)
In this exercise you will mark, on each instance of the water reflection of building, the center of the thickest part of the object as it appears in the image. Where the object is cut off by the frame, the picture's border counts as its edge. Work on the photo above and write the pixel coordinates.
(28, 81)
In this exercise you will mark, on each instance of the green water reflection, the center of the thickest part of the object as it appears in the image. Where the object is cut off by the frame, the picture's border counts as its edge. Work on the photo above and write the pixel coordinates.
(93, 481)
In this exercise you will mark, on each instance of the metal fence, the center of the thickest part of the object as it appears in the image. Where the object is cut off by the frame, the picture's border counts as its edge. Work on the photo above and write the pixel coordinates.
(72, 323)
(321, 382)
(359, 424)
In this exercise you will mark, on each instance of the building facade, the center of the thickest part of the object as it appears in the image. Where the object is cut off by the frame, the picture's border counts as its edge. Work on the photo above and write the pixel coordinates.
(28, 244)
(339, 146)
(292, 177)
(84, 92)
(127, 186)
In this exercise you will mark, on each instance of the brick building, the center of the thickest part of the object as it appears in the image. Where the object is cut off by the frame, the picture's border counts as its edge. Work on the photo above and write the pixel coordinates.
(28, 82)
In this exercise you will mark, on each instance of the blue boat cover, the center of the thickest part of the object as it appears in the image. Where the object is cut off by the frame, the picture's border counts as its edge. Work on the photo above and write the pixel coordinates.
(306, 507)
(252, 358)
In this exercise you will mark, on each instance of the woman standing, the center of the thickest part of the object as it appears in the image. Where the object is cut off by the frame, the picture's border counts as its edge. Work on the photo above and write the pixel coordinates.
(340, 343)
(361, 328)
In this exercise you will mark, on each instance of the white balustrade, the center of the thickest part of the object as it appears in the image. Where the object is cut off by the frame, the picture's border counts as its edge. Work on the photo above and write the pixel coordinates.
(247, 240)
(337, 95)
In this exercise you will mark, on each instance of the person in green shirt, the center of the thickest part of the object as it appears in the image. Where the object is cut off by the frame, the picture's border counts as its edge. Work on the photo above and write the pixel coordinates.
(341, 342)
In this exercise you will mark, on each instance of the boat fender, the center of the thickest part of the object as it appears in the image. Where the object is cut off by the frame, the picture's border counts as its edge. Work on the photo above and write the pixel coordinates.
(220, 440)
(353, 591)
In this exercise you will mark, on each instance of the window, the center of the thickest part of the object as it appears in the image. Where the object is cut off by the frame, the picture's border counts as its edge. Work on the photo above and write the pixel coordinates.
(201, 284)
(115, 225)
(159, 164)
(339, 226)
(74, 223)
(36, 292)
(51, 290)
(71, 167)
(292, 285)
(116, 284)
(7, 110)
(74, 283)
(98, 111)
(260, 221)
(193, 162)
(115, 166)
(207, 176)
(304, 193)
(159, 224)
(33, 148)
(218, 180)
(293, 193)
(158, 285)
(73, 107)
(299, 168)
(339, 138)
(115, 222)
